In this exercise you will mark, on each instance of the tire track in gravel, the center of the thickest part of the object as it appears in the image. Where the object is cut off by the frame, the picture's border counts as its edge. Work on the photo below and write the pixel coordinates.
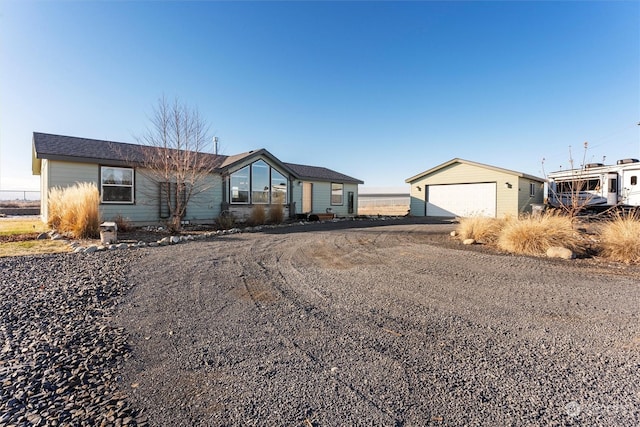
(256, 274)
(292, 276)
(381, 327)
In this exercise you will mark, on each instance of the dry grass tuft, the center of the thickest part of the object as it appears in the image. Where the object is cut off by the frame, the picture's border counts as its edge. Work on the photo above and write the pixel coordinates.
(123, 223)
(276, 213)
(226, 220)
(620, 238)
(533, 235)
(55, 203)
(481, 229)
(75, 210)
(258, 215)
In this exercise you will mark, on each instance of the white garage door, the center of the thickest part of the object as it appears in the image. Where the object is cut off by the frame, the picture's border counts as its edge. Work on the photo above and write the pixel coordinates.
(462, 200)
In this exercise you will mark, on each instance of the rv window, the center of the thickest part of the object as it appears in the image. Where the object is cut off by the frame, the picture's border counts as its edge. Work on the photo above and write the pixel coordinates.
(613, 185)
(579, 185)
(634, 180)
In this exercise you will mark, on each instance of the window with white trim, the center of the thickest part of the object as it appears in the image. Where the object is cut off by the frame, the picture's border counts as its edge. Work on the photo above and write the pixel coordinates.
(532, 189)
(116, 184)
(337, 193)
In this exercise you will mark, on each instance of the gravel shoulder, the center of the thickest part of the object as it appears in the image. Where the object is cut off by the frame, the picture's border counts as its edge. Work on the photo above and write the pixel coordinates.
(385, 325)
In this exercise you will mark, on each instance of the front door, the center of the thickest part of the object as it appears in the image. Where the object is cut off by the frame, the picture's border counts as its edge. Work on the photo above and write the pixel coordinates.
(307, 197)
(350, 200)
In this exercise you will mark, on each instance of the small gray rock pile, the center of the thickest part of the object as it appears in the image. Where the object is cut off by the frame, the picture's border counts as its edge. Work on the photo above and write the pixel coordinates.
(59, 354)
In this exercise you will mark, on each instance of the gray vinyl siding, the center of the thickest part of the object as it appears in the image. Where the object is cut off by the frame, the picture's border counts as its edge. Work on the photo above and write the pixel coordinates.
(296, 196)
(144, 210)
(60, 174)
(204, 207)
(67, 174)
(44, 185)
(322, 198)
(416, 205)
(524, 197)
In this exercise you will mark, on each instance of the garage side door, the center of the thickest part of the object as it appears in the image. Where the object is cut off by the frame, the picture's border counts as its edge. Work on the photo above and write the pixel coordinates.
(462, 200)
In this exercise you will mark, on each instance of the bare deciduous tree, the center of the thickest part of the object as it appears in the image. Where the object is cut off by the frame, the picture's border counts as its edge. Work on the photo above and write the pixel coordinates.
(572, 196)
(175, 157)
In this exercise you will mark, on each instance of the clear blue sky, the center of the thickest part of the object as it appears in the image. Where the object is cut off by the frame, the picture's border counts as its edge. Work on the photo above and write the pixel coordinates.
(378, 90)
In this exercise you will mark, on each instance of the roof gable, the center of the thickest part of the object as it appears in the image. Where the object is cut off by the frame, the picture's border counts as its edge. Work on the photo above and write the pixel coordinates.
(236, 159)
(476, 164)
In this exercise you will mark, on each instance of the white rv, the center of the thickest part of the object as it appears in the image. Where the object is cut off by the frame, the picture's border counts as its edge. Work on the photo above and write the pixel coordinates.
(596, 185)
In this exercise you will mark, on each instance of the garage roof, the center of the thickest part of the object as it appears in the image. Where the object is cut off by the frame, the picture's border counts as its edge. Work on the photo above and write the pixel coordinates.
(468, 162)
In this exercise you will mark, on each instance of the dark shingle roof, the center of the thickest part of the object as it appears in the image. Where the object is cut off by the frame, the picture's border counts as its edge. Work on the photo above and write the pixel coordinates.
(86, 150)
(320, 174)
(60, 147)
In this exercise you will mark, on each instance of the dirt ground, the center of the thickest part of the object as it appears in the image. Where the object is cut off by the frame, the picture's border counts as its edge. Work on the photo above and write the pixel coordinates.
(386, 323)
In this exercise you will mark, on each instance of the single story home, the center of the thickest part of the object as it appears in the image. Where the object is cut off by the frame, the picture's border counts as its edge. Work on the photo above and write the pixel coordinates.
(461, 188)
(236, 184)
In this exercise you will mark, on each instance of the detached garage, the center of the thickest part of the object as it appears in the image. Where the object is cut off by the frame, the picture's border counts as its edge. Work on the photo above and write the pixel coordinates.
(461, 188)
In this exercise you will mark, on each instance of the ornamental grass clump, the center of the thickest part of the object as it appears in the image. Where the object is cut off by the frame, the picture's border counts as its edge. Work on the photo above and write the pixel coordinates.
(620, 238)
(480, 229)
(257, 216)
(276, 213)
(533, 235)
(75, 210)
(55, 206)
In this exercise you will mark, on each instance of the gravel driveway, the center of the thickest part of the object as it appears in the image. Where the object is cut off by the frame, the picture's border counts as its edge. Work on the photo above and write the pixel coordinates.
(392, 325)
(379, 326)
